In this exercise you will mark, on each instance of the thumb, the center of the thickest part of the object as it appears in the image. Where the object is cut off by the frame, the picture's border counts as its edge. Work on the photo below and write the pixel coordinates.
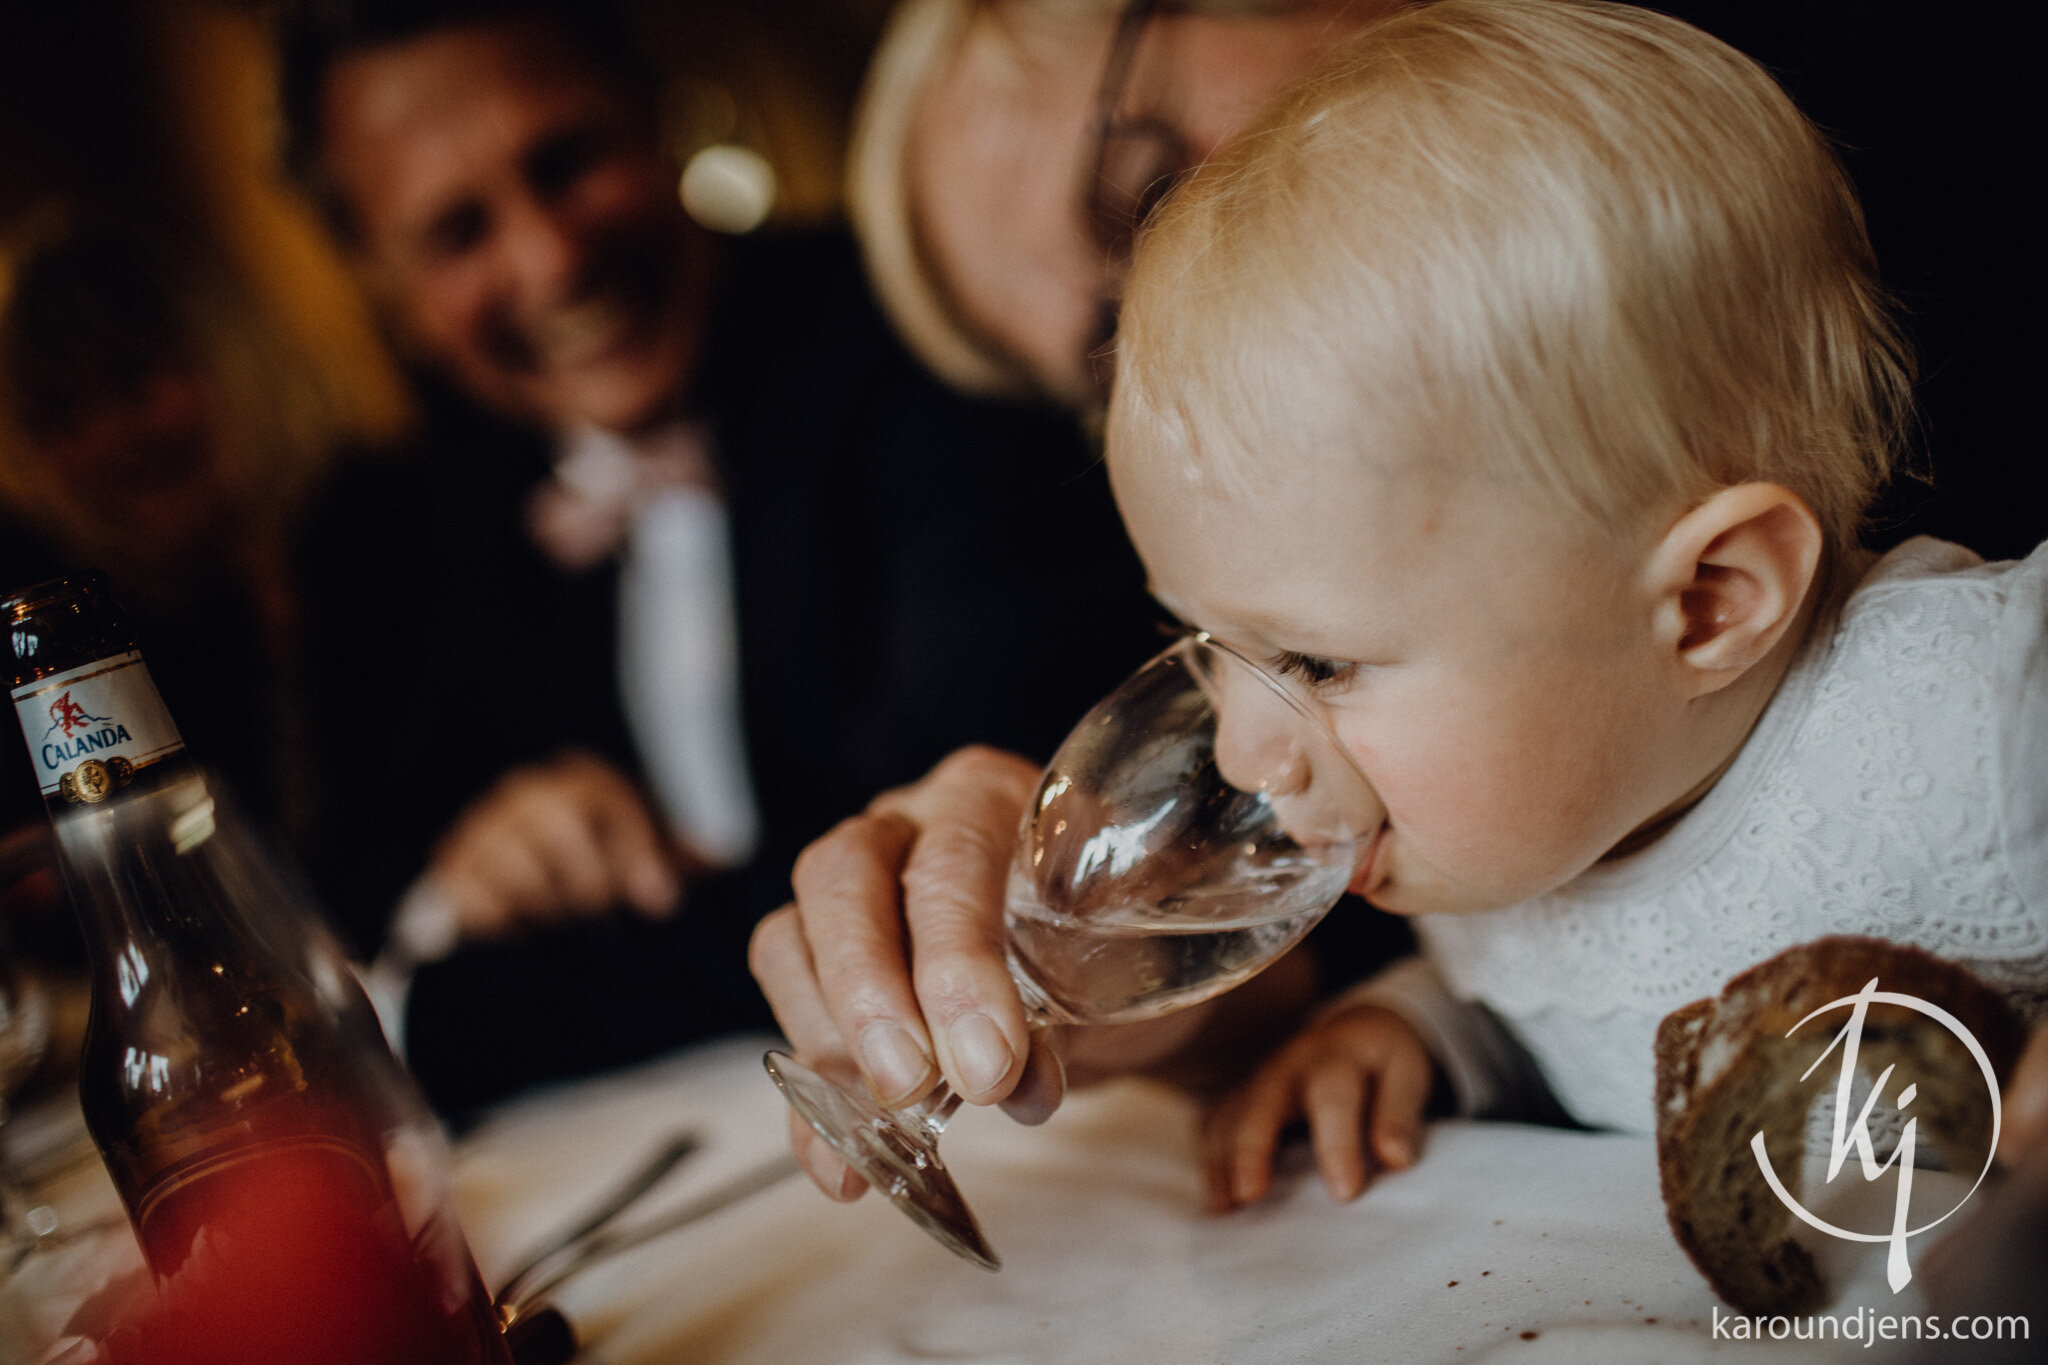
(1042, 1086)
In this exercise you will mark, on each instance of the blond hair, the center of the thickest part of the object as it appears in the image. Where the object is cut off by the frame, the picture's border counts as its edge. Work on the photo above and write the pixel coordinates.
(1601, 240)
(922, 38)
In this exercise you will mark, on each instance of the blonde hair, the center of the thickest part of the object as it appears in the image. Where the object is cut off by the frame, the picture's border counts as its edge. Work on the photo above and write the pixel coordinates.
(922, 37)
(1589, 232)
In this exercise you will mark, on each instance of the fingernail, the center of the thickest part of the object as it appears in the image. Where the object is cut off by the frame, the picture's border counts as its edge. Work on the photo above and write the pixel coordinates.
(1029, 1104)
(1039, 1089)
(895, 1062)
(980, 1052)
(1399, 1151)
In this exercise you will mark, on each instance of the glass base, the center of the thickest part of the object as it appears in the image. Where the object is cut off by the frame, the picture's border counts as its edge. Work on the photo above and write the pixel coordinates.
(901, 1160)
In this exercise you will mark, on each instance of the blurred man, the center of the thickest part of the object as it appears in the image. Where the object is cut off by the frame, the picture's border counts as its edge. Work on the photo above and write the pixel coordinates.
(497, 181)
(816, 568)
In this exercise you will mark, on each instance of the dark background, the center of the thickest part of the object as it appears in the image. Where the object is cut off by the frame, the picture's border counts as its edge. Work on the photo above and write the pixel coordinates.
(1938, 110)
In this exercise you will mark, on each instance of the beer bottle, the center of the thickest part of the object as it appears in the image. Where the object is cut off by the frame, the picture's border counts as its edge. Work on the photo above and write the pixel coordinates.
(273, 1158)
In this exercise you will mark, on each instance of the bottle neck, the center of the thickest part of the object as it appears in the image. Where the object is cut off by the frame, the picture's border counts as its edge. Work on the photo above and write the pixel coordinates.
(95, 729)
(126, 800)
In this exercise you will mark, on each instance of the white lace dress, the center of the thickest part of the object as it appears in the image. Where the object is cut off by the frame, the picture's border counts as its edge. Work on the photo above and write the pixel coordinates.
(1897, 785)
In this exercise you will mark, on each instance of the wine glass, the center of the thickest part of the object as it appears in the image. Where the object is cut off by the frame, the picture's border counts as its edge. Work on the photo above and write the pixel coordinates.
(1190, 830)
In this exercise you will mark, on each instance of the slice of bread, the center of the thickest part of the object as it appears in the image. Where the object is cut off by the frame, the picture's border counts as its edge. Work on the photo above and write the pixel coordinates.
(1726, 1071)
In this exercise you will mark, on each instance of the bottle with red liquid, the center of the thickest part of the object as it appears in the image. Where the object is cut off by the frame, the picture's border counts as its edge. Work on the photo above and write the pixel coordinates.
(281, 1173)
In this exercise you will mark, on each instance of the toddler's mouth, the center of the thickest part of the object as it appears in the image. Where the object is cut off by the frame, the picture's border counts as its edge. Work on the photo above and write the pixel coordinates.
(1367, 877)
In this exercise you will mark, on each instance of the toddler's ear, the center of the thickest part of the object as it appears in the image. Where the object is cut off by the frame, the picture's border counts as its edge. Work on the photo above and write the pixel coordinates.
(1730, 576)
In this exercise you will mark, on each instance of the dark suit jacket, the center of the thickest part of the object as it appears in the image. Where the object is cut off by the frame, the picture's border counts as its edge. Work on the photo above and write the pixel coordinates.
(915, 571)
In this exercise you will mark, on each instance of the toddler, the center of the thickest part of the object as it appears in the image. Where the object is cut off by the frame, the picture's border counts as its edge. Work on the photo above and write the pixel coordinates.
(1517, 389)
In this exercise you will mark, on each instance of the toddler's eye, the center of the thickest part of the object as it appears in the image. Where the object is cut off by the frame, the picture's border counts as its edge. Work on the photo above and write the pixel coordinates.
(1314, 671)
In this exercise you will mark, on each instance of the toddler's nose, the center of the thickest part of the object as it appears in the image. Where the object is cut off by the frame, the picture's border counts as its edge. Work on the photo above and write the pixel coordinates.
(1265, 744)
(1256, 751)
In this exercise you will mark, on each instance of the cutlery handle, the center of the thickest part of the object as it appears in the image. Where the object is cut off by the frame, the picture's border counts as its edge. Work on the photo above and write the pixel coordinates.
(515, 1301)
(649, 1174)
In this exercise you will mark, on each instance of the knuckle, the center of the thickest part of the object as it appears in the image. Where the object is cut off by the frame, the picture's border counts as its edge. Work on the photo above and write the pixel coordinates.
(950, 865)
(772, 941)
(822, 857)
(848, 849)
(967, 760)
(981, 769)
(1333, 1085)
(932, 880)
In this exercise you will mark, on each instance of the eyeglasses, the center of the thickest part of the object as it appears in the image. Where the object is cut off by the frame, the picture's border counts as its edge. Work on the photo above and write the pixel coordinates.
(1137, 160)
(1136, 163)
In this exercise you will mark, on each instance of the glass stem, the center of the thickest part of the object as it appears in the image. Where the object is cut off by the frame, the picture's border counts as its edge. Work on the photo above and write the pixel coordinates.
(934, 1111)
(931, 1113)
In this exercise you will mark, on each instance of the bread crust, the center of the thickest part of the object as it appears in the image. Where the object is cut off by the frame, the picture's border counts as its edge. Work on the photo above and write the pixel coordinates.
(1726, 1071)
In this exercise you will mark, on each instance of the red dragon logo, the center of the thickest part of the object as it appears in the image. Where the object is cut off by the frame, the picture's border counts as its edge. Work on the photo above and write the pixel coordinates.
(68, 715)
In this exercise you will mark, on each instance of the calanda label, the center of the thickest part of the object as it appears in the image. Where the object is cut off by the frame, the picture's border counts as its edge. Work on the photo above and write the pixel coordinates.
(89, 729)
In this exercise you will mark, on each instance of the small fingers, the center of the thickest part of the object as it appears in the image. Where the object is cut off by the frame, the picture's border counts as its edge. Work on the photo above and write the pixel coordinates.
(611, 849)
(1361, 1072)
(1399, 1097)
(1244, 1134)
(1333, 1097)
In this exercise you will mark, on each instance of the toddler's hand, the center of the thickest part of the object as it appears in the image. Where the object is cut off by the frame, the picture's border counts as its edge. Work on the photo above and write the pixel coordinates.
(1363, 1070)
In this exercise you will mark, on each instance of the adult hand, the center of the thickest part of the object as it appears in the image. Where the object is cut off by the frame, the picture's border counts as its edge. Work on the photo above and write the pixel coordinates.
(572, 836)
(1994, 1265)
(2025, 1129)
(890, 961)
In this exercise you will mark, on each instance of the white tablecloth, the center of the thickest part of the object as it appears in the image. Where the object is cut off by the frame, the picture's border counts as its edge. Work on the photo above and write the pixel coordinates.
(1529, 1244)
(1505, 1243)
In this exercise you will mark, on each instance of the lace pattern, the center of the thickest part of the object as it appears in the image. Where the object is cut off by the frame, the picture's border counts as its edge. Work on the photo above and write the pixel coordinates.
(1865, 802)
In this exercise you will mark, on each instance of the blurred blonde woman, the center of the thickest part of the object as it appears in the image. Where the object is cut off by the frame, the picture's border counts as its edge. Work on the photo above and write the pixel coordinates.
(1006, 151)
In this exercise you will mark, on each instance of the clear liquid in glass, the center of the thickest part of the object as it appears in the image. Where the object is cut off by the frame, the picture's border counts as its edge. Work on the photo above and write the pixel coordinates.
(1121, 963)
